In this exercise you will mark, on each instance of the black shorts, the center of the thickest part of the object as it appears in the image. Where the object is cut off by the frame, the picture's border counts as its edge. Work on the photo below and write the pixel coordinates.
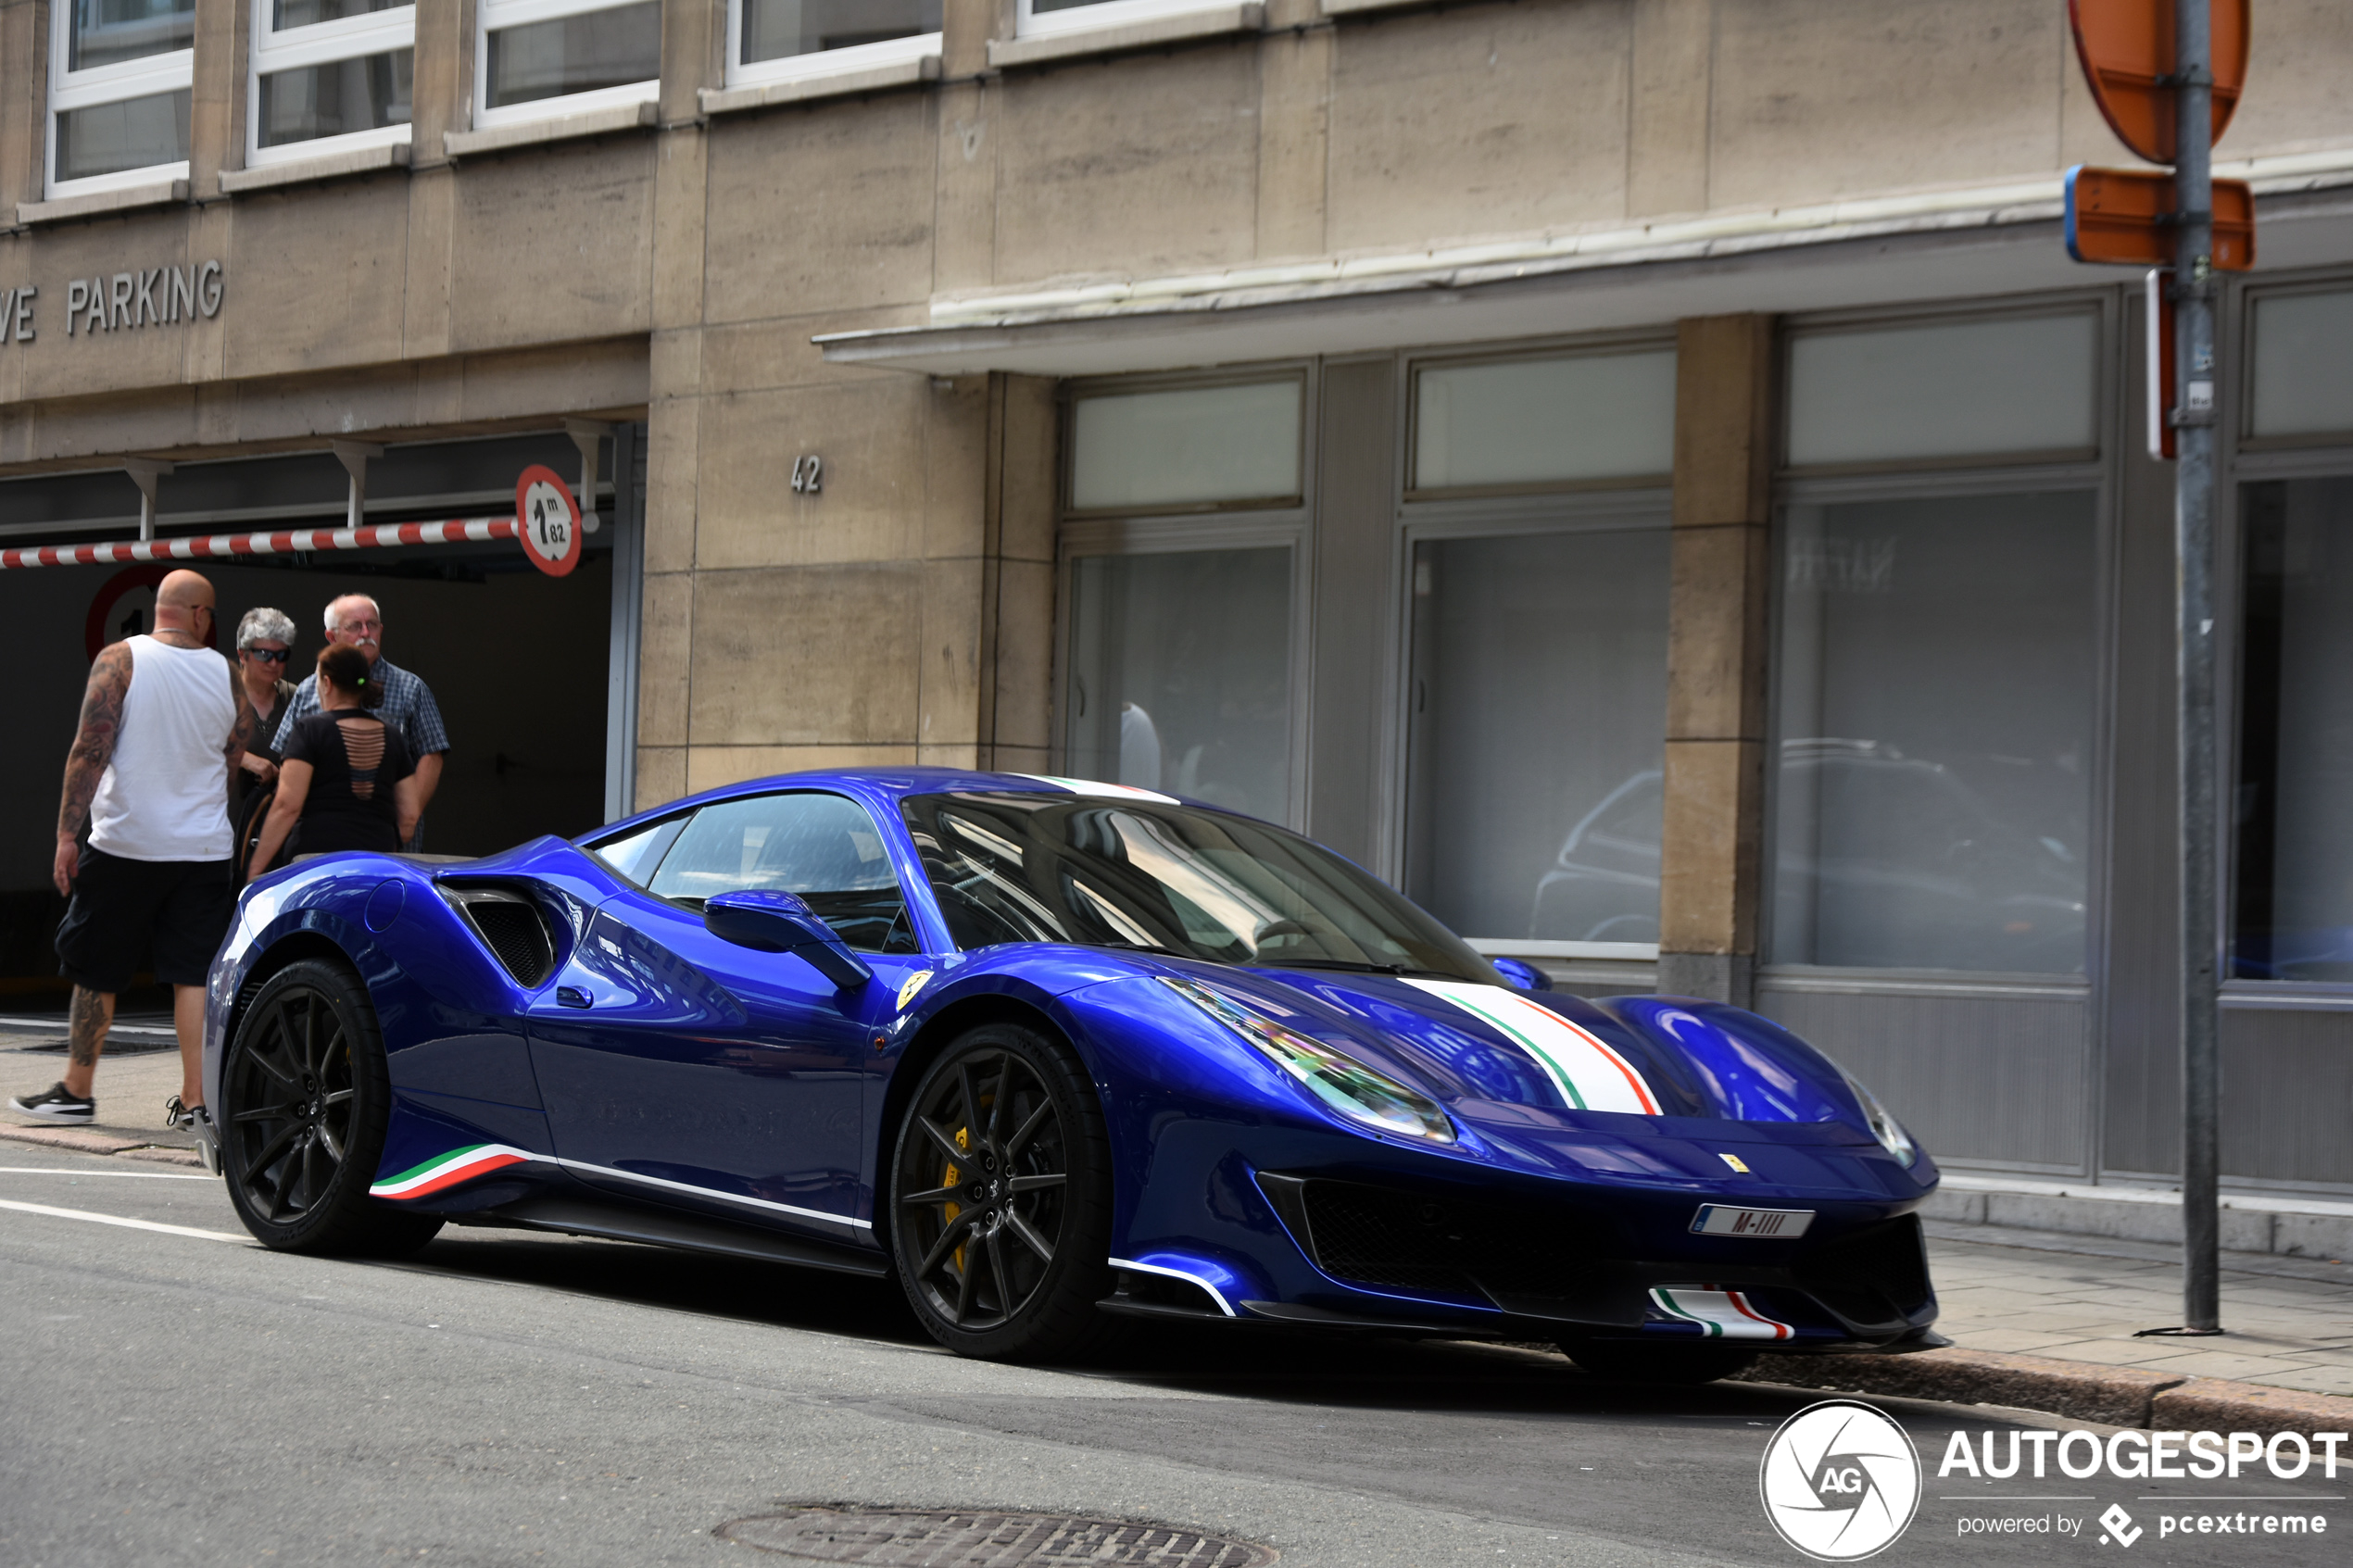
(121, 910)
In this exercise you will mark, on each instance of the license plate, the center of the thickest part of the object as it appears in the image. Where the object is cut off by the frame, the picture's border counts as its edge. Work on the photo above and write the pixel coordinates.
(1718, 1219)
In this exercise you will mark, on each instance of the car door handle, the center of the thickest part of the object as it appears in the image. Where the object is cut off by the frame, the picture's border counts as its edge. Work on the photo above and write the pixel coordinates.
(572, 997)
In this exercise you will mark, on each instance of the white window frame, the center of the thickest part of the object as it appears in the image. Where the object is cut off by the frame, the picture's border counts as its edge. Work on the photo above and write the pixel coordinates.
(318, 44)
(1103, 13)
(497, 16)
(823, 62)
(71, 90)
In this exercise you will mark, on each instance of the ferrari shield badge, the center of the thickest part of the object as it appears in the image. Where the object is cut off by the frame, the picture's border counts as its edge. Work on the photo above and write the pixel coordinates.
(915, 982)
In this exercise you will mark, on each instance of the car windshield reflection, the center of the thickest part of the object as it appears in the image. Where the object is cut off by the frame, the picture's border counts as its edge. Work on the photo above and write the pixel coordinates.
(1166, 879)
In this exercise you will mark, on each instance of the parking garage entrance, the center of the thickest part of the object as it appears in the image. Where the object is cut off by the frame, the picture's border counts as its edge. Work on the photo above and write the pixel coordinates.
(534, 675)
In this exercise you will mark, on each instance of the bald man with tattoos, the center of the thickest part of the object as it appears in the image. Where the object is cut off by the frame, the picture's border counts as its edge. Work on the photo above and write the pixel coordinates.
(163, 730)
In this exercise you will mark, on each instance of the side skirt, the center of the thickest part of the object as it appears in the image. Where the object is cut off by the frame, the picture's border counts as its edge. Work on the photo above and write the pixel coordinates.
(573, 1216)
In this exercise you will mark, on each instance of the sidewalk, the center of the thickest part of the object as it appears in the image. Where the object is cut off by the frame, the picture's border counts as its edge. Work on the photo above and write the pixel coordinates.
(131, 1088)
(2288, 1322)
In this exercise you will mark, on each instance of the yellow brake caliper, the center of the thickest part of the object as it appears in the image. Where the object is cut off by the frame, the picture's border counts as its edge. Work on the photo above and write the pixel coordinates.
(953, 1177)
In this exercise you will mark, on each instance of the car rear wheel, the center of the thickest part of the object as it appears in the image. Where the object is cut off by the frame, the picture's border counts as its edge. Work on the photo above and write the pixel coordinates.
(305, 1100)
(1615, 1361)
(1001, 1199)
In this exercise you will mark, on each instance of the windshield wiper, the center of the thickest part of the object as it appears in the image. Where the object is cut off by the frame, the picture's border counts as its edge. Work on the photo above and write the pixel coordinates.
(1355, 966)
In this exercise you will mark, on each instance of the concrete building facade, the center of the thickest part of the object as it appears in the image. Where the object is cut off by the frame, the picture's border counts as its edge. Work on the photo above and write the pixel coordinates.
(1642, 475)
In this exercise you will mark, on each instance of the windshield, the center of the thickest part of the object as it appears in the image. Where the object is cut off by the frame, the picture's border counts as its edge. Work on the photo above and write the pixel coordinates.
(1200, 884)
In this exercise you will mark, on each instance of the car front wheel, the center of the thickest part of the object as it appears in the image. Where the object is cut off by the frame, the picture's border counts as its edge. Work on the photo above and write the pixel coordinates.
(1001, 1199)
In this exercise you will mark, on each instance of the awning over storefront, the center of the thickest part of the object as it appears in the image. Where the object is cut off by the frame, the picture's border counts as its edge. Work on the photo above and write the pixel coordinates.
(1978, 242)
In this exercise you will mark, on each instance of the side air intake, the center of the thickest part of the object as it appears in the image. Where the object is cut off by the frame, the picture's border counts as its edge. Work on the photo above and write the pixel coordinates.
(511, 926)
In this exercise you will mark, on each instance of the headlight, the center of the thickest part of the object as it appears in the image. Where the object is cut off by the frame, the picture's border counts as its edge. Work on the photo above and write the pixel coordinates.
(1889, 1131)
(1342, 1081)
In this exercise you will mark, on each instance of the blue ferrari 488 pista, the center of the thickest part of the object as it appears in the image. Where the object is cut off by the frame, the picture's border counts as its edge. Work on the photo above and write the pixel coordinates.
(1060, 1056)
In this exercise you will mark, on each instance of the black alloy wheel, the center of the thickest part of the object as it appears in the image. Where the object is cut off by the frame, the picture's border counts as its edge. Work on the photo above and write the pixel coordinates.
(1619, 1361)
(305, 1099)
(1001, 1199)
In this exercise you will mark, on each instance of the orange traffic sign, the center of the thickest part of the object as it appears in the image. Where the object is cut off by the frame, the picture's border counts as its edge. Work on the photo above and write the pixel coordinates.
(2127, 50)
(2126, 216)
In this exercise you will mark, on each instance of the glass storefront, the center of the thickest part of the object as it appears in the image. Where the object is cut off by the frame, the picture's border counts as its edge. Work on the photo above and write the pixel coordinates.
(1936, 671)
(1538, 721)
(1180, 675)
(2293, 893)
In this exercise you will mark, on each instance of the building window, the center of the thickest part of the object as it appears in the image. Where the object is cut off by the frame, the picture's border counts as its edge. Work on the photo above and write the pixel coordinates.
(2297, 388)
(1537, 717)
(2294, 892)
(1969, 388)
(1066, 15)
(1184, 530)
(777, 40)
(1180, 674)
(1545, 422)
(329, 71)
(560, 56)
(119, 72)
(1935, 731)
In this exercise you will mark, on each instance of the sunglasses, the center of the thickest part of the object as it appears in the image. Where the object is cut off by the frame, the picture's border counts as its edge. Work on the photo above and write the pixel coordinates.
(273, 656)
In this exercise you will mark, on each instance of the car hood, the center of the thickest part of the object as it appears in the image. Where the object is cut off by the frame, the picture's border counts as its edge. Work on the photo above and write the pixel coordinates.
(1499, 1055)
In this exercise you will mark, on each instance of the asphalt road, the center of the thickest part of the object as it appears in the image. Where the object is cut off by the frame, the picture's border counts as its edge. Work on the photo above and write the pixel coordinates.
(514, 1399)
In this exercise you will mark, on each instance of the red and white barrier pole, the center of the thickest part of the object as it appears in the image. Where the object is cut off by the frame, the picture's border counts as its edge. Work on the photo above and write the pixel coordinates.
(227, 546)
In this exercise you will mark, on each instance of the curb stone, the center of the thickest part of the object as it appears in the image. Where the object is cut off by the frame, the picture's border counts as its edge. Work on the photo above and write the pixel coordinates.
(81, 1140)
(2081, 1391)
(92, 1140)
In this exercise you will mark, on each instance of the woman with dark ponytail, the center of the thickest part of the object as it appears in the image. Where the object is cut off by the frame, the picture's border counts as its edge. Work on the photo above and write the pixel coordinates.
(346, 781)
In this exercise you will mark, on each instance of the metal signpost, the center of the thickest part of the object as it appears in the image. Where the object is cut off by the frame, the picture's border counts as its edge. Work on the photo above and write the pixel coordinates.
(2167, 74)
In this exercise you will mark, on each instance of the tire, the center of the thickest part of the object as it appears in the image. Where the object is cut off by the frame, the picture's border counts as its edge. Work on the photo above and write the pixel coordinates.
(1004, 1259)
(305, 1100)
(1615, 1361)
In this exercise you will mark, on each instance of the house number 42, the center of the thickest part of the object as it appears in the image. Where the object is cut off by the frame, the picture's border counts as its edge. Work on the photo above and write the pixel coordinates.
(808, 475)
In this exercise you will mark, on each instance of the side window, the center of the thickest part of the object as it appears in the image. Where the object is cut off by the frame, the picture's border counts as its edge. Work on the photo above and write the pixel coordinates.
(636, 856)
(822, 847)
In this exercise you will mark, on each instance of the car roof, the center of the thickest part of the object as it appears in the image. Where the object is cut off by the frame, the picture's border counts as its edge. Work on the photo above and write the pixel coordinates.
(892, 784)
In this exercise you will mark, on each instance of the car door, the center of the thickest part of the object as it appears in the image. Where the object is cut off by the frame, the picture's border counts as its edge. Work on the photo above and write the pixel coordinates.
(681, 1067)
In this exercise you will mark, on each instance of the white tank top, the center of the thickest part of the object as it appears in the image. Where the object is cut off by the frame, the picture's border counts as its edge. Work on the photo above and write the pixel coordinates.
(164, 797)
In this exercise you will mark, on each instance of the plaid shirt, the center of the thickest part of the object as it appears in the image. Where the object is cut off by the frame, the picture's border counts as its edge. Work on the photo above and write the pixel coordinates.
(408, 708)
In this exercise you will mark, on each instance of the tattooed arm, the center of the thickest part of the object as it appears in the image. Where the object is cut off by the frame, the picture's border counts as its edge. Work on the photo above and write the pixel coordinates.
(94, 745)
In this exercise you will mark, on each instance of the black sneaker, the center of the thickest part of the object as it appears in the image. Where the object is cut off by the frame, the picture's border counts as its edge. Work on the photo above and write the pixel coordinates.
(178, 1117)
(56, 1106)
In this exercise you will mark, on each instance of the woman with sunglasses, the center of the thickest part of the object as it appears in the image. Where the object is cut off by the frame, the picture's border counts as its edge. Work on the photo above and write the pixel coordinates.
(265, 641)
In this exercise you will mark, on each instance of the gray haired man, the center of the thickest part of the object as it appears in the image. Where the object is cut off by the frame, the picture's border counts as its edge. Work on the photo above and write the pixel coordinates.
(355, 621)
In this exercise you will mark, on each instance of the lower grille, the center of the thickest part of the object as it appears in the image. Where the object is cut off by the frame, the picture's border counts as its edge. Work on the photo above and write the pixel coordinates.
(1869, 1276)
(1400, 1240)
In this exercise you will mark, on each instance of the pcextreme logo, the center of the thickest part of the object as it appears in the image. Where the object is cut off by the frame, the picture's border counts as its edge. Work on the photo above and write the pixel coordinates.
(1840, 1481)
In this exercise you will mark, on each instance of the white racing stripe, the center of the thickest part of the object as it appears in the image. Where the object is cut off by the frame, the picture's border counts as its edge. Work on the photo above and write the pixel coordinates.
(140, 1175)
(121, 1219)
(1588, 1074)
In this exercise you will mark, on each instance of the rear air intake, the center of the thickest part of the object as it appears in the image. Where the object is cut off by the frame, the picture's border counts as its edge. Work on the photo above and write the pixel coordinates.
(511, 926)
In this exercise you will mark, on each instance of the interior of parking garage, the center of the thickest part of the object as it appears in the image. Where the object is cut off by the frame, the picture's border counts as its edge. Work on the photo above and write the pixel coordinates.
(519, 662)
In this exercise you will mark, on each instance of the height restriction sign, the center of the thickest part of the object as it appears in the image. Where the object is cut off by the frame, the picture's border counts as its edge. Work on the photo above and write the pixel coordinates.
(549, 520)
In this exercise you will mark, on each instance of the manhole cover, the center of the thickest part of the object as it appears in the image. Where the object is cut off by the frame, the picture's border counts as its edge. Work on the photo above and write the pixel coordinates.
(913, 1539)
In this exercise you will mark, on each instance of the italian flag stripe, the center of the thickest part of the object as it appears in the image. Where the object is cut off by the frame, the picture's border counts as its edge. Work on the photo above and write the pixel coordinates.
(1588, 1074)
(1721, 1314)
(449, 1170)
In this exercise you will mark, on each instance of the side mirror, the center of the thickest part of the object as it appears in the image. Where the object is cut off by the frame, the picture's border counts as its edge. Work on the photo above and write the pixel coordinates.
(782, 923)
(1521, 975)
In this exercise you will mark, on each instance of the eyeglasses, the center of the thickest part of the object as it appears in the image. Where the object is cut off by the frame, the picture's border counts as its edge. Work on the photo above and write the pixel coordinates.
(359, 625)
(274, 656)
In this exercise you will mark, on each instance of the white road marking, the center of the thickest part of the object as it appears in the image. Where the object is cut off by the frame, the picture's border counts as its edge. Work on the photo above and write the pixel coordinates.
(143, 1176)
(121, 1219)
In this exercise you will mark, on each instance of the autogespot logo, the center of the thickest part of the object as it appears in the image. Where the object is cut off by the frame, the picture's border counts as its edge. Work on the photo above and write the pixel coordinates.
(1840, 1481)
